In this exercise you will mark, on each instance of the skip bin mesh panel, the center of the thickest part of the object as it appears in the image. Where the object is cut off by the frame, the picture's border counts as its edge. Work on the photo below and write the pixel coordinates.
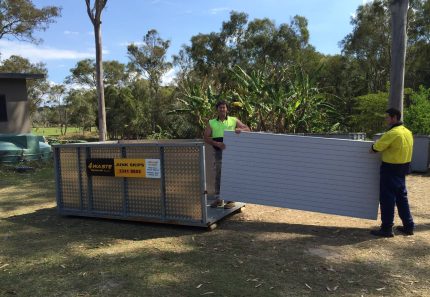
(69, 178)
(182, 178)
(108, 191)
(84, 179)
(144, 194)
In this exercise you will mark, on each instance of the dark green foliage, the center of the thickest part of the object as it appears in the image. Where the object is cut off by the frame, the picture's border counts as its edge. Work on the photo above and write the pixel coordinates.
(20, 18)
(272, 77)
(417, 114)
(369, 113)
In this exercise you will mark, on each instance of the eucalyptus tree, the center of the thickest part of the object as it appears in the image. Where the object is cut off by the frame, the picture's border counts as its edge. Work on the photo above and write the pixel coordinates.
(21, 18)
(256, 44)
(56, 98)
(84, 74)
(94, 14)
(150, 60)
(82, 105)
(370, 44)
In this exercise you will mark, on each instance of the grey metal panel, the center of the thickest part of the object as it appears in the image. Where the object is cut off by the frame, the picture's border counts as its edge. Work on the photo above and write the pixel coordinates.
(71, 197)
(144, 194)
(182, 177)
(421, 153)
(107, 192)
(328, 175)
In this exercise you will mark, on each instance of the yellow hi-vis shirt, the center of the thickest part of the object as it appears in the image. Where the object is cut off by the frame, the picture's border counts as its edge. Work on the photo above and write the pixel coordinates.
(218, 127)
(395, 145)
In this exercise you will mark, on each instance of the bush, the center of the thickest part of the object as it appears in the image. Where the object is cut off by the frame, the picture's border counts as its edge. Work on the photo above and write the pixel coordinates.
(417, 115)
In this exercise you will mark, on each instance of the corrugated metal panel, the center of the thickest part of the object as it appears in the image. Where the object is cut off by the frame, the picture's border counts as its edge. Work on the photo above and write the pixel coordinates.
(421, 153)
(333, 176)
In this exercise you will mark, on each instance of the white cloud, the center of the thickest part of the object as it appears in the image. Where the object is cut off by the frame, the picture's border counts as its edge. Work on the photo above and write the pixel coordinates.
(36, 53)
(218, 10)
(138, 43)
(168, 78)
(67, 32)
(104, 51)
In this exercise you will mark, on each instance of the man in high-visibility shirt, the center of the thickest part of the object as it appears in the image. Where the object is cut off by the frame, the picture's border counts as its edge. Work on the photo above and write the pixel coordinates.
(396, 149)
(214, 134)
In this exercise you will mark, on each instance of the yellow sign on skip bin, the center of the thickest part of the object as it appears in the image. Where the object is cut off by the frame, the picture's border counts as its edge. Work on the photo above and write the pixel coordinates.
(149, 168)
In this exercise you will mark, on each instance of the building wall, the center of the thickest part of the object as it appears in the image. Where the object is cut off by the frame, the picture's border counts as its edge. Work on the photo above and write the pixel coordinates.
(15, 91)
(333, 176)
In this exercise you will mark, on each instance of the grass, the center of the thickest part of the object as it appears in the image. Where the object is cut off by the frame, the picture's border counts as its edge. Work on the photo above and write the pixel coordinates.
(54, 131)
(54, 134)
(263, 251)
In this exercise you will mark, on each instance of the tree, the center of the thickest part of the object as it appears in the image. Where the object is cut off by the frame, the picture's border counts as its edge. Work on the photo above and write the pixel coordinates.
(399, 10)
(56, 97)
(20, 18)
(84, 74)
(81, 110)
(95, 16)
(37, 87)
(369, 111)
(150, 60)
(370, 44)
(417, 114)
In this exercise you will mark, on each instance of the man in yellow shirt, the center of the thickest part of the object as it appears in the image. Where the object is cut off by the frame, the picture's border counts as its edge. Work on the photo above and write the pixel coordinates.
(213, 135)
(396, 149)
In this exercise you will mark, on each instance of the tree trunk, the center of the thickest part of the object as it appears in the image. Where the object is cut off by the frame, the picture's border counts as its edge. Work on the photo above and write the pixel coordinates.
(100, 87)
(399, 10)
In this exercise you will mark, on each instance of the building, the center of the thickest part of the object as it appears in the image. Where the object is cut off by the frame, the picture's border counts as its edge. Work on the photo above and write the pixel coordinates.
(14, 105)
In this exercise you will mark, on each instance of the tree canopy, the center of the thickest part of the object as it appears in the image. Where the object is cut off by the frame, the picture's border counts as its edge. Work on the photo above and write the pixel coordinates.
(20, 19)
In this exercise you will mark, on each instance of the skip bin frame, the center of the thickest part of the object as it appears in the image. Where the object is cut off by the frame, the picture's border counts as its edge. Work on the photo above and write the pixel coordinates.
(179, 196)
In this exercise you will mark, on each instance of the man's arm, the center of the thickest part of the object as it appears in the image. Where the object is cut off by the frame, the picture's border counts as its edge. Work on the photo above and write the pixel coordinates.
(241, 127)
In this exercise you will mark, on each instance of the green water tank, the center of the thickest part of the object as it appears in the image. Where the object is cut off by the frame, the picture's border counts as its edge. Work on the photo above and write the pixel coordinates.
(23, 147)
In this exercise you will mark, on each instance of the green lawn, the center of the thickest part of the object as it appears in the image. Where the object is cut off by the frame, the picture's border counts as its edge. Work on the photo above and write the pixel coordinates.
(54, 131)
(263, 251)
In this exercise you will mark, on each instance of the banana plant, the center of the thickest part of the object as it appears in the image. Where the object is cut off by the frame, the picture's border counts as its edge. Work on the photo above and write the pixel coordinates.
(196, 100)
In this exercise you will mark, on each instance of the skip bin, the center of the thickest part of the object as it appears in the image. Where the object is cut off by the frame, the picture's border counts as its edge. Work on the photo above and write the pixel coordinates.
(151, 181)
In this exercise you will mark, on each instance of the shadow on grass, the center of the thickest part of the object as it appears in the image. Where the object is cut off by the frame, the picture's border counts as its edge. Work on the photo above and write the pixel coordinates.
(54, 255)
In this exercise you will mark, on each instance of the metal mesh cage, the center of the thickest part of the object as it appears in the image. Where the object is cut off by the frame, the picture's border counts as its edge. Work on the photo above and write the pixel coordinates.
(144, 194)
(70, 186)
(107, 192)
(182, 177)
(175, 196)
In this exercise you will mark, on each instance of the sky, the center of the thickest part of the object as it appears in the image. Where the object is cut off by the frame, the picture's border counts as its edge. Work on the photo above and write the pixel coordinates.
(71, 37)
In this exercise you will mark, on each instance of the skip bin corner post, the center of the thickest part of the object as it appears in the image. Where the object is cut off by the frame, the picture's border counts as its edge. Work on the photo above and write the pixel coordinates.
(58, 178)
(203, 190)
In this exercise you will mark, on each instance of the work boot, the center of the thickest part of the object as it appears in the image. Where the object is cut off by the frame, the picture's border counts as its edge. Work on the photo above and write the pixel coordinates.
(405, 230)
(229, 204)
(217, 203)
(383, 232)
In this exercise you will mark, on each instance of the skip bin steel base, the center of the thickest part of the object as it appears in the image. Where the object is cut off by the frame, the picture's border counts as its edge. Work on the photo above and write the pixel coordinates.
(178, 196)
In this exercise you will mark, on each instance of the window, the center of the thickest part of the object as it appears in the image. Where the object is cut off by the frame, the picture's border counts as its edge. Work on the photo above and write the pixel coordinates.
(3, 109)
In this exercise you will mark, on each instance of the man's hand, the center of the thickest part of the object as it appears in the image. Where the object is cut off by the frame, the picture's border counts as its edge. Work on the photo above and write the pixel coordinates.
(237, 130)
(219, 145)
